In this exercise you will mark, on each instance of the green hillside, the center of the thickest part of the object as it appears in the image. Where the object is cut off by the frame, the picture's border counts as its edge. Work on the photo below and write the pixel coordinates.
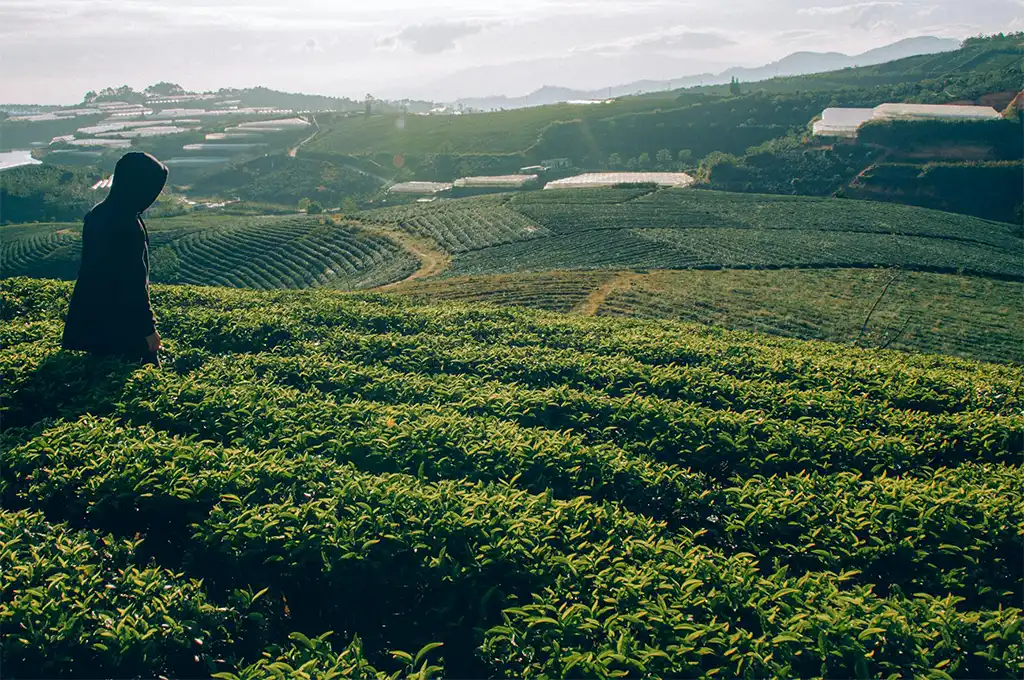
(358, 485)
(42, 193)
(989, 57)
(680, 229)
(250, 252)
(755, 262)
(700, 120)
(284, 180)
(966, 316)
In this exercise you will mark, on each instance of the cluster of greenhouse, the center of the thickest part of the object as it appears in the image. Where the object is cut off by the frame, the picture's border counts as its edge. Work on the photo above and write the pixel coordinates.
(609, 179)
(845, 122)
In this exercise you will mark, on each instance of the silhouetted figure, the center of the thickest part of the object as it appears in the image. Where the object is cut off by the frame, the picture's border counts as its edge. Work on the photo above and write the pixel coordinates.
(110, 312)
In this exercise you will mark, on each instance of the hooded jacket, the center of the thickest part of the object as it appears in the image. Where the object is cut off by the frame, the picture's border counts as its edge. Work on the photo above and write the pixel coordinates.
(110, 311)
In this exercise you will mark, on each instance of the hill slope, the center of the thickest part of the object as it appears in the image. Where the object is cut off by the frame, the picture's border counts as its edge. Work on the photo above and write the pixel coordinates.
(250, 252)
(682, 119)
(539, 495)
(681, 229)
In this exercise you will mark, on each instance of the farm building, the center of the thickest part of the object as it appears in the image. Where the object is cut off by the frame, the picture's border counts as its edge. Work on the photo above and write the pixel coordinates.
(608, 179)
(839, 122)
(557, 163)
(843, 122)
(420, 188)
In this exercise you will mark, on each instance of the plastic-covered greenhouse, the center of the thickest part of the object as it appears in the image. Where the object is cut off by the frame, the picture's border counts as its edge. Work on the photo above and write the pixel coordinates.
(607, 179)
(933, 111)
(837, 122)
(495, 181)
(420, 187)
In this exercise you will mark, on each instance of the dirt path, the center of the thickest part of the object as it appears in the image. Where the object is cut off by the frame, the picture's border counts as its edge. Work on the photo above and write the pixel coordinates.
(592, 304)
(295, 149)
(432, 259)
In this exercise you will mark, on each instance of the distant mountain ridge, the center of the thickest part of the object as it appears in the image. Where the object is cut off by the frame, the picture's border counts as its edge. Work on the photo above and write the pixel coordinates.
(796, 64)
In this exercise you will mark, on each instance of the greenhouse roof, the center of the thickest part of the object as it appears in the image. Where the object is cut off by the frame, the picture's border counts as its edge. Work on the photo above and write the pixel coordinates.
(607, 179)
(495, 181)
(420, 187)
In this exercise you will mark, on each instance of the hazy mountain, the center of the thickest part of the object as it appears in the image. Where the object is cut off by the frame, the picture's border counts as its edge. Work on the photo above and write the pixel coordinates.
(796, 64)
(802, 63)
(575, 72)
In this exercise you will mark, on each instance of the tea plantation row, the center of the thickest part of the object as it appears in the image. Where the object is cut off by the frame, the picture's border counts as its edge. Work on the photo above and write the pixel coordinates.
(325, 485)
(968, 316)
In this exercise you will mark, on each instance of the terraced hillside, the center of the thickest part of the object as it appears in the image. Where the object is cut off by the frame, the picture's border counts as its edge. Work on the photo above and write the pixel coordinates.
(682, 229)
(249, 252)
(469, 492)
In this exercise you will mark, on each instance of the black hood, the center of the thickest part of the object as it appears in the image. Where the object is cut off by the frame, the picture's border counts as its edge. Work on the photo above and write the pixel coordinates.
(138, 180)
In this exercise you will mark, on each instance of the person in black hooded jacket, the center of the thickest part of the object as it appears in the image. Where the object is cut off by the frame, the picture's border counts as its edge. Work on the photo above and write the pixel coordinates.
(110, 312)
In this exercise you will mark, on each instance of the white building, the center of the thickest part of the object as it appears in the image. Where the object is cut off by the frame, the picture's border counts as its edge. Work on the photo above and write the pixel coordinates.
(841, 122)
(420, 187)
(494, 181)
(836, 122)
(610, 179)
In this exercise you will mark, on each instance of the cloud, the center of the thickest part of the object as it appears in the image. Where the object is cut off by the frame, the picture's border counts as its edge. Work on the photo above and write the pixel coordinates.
(867, 16)
(857, 7)
(431, 37)
(799, 35)
(685, 40)
(679, 39)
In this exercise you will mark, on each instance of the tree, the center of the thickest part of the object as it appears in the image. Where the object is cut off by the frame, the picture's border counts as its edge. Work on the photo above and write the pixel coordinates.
(645, 160)
(734, 86)
(664, 157)
(164, 89)
(614, 161)
(685, 156)
(314, 208)
(349, 205)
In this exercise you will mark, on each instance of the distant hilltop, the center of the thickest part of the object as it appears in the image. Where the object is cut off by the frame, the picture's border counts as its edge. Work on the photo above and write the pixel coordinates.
(796, 64)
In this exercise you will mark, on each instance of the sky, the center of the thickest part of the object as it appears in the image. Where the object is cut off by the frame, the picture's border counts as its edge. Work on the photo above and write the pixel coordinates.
(53, 51)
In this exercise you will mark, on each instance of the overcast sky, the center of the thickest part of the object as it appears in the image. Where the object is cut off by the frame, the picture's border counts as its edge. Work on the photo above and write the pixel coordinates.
(53, 51)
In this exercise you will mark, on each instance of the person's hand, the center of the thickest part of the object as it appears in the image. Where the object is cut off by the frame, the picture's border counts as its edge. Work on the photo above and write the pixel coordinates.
(153, 341)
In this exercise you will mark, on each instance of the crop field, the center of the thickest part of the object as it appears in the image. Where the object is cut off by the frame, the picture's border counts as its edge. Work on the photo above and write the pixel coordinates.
(249, 252)
(965, 316)
(325, 485)
(681, 229)
(556, 291)
(460, 226)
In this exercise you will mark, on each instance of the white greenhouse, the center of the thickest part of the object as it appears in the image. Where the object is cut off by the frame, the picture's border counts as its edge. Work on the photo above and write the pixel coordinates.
(420, 187)
(495, 181)
(837, 122)
(608, 179)
(934, 112)
(840, 122)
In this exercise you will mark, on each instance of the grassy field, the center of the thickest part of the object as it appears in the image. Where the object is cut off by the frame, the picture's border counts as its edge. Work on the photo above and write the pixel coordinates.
(249, 252)
(966, 316)
(360, 485)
